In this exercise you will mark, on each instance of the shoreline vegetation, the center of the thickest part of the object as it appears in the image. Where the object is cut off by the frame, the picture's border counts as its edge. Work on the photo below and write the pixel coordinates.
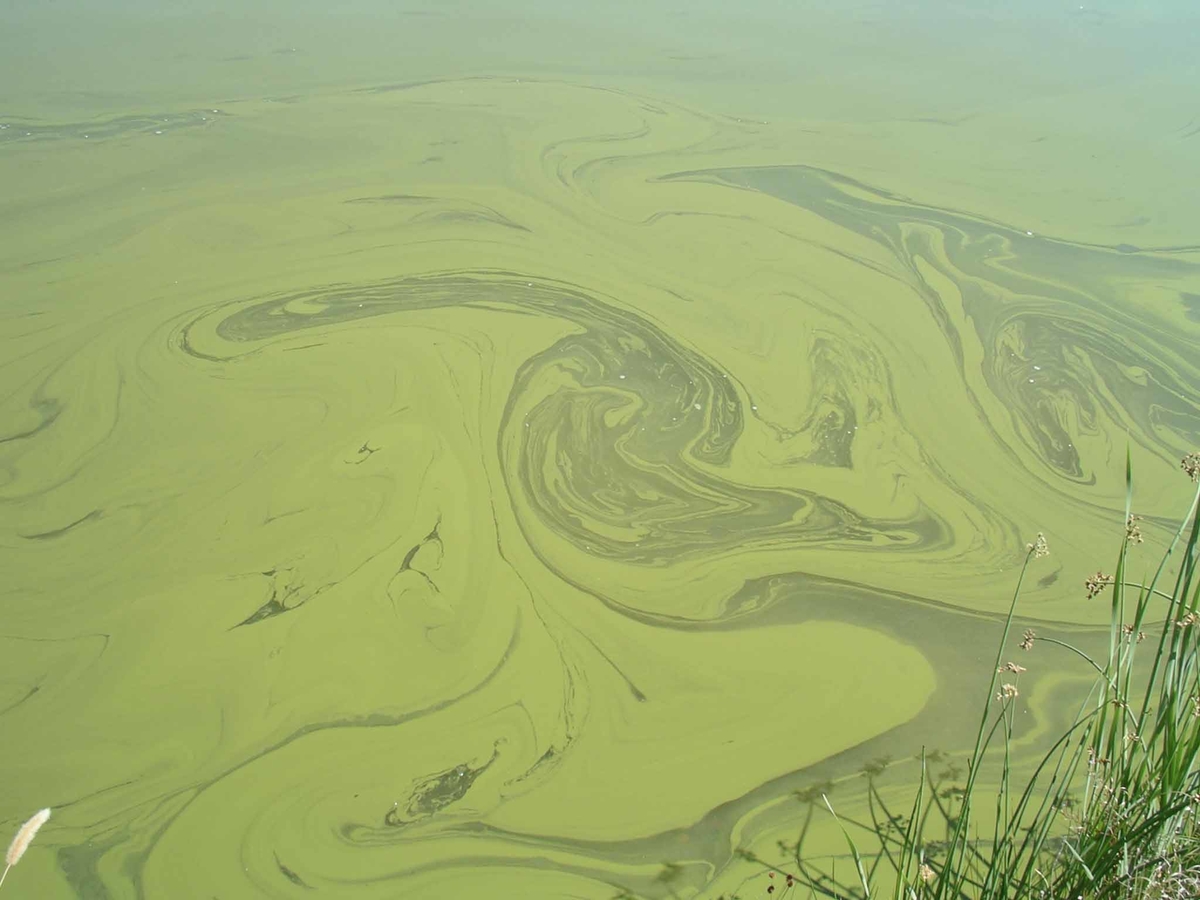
(1110, 812)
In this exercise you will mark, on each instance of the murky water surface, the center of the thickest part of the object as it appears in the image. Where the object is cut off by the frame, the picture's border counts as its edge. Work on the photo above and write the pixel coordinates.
(507, 450)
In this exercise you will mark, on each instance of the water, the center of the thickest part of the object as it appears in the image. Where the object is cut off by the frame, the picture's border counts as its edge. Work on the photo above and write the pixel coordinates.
(496, 450)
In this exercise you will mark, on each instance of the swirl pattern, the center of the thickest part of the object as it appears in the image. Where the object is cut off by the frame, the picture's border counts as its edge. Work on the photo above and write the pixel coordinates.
(540, 498)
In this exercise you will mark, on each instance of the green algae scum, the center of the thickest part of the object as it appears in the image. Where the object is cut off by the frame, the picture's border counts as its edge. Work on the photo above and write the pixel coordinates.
(518, 450)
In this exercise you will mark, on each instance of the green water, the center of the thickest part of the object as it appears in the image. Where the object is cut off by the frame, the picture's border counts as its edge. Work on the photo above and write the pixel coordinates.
(503, 450)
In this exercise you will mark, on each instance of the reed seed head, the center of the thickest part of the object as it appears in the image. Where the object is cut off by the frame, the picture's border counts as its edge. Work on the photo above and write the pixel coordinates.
(1098, 582)
(1039, 547)
(24, 836)
(1127, 630)
(1133, 531)
(1028, 638)
(1191, 466)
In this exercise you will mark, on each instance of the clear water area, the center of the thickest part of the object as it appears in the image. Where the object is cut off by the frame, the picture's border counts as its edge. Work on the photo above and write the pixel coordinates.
(509, 450)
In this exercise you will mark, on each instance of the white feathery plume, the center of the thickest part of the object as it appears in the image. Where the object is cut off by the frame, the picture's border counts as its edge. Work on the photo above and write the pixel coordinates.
(23, 839)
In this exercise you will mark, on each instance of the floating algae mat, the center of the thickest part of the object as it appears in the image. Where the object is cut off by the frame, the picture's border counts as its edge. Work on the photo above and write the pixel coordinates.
(519, 471)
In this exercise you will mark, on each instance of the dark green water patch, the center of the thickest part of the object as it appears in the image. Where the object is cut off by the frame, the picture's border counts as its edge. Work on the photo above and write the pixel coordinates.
(617, 437)
(1063, 344)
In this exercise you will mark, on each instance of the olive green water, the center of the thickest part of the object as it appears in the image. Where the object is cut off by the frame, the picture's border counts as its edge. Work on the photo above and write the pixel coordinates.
(502, 451)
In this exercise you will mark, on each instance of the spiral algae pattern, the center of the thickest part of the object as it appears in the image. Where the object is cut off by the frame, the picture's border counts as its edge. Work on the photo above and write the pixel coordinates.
(534, 491)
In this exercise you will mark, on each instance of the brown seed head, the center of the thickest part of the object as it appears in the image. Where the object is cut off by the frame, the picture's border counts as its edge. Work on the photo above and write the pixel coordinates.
(1191, 466)
(1133, 531)
(1097, 583)
(1028, 638)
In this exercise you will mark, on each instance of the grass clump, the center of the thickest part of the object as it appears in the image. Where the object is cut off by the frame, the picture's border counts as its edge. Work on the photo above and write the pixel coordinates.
(1110, 812)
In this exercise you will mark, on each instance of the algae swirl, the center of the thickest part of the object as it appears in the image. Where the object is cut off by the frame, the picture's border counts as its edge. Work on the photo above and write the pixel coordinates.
(536, 493)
